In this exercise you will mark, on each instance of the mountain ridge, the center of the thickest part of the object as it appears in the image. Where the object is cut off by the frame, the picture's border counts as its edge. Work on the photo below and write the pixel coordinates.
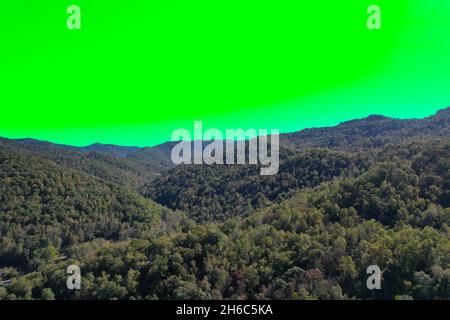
(137, 166)
(115, 148)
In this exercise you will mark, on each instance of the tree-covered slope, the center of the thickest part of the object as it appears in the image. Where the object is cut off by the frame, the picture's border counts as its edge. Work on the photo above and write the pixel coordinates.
(309, 232)
(218, 191)
(43, 204)
(371, 132)
(111, 163)
(317, 244)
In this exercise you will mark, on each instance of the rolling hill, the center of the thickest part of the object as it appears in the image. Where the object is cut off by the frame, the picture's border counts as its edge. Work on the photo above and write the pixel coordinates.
(368, 191)
(44, 204)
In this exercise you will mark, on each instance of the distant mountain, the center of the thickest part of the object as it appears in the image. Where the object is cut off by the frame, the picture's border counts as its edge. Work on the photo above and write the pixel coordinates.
(132, 166)
(158, 157)
(216, 192)
(111, 149)
(135, 166)
(374, 131)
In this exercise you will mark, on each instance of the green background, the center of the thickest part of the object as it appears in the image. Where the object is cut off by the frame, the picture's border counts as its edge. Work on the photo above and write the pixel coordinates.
(139, 69)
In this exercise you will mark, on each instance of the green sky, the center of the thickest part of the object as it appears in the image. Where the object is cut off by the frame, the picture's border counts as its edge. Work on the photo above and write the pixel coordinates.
(139, 69)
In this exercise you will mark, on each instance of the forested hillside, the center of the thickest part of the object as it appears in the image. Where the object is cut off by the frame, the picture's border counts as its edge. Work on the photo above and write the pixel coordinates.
(131, 166)
(372, 132)
(209, 192)
(367, 192)
(46, 207)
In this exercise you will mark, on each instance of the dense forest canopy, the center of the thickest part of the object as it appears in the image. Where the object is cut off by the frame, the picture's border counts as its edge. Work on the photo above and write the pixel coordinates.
(374, 191)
